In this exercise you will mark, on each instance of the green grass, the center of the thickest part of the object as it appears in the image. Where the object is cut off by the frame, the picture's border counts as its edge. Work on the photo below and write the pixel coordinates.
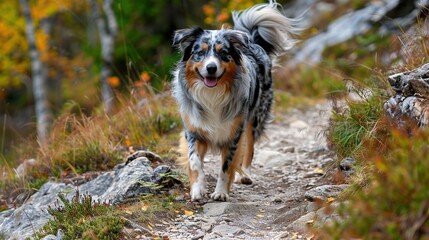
(82, 218)
(80, 143)
(390, 185)
(395, 204)
(350, 128)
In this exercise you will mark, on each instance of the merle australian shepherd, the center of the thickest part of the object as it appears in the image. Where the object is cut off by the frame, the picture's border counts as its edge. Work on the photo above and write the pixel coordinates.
(223, 86)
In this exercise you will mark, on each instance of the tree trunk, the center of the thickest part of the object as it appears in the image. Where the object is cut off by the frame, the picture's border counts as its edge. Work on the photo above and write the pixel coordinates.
(43, 111)
(107, 39)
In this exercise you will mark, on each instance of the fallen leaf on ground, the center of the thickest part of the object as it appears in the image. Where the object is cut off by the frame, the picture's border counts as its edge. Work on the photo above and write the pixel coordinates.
(188, 213)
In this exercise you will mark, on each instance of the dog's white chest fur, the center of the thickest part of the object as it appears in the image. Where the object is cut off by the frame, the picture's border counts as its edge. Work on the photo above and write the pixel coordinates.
(218, 130)
(213, 101)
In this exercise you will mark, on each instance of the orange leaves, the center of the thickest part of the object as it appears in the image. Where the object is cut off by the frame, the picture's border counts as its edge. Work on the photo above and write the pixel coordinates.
(218, 13)
(223, 17)
(113, 81)
(142, 83)
(209, 10)
(213, 17)
(47, 8)
(13, 47)
(42, 45)
(188, 213)
(145, 77)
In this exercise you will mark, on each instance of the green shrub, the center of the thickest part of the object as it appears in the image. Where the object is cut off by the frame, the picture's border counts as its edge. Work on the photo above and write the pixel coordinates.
(395, 205)
(81, 218)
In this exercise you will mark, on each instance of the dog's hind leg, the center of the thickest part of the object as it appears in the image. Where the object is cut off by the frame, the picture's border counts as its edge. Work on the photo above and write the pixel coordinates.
(243, 173)
(193, 152)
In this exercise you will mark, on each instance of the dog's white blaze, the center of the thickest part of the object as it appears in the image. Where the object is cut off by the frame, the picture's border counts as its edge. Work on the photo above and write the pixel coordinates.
(212, 59)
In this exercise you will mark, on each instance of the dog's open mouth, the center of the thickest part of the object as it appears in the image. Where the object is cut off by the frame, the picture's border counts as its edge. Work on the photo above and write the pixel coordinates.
(210, 81)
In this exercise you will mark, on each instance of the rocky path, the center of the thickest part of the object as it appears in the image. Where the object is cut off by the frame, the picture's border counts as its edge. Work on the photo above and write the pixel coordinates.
(286, 165)
(287, 172)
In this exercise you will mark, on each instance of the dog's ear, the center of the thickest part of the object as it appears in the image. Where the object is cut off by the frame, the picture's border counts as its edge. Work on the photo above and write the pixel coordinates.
(239, 39)
(184, 39)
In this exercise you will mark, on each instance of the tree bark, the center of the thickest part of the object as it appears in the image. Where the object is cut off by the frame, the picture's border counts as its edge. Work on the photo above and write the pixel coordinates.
(40, 92)
(107, 28)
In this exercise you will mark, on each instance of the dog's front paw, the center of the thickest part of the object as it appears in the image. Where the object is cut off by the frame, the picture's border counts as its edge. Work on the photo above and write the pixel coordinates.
(220, 196)
(197, 192)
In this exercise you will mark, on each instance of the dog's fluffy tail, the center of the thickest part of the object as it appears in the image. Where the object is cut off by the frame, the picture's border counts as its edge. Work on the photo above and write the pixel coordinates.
(268, 27)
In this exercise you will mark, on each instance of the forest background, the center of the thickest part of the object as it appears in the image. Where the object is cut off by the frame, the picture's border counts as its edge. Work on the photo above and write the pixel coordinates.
(69, 36)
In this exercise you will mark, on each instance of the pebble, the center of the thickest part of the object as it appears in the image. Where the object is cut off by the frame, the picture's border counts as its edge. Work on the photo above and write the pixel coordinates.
(298, 124)
(326, 162)
(313, 174)
(324, 192)
(198, 235)
(347, 164)
(225, 230)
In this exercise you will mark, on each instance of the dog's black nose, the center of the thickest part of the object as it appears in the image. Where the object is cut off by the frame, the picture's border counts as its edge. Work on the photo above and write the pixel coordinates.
(211, 68)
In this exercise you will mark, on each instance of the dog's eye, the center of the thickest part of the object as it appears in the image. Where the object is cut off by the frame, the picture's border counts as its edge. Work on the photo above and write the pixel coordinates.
(200, 53)
(224, 53)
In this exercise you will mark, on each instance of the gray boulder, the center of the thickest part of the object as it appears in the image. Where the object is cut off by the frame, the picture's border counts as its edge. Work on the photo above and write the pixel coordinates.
(28, 218)
(125, 182)
(359, 22)
(411, 96)
(113, 186)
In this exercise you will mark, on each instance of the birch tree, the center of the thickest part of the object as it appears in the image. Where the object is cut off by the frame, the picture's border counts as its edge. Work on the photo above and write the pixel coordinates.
(107, 28)
(39, 76)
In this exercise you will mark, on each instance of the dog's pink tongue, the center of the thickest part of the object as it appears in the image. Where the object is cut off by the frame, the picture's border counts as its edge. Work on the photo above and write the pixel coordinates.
(210, 81)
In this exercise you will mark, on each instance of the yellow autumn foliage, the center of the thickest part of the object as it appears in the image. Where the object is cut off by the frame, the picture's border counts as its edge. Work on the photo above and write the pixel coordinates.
(14, 58)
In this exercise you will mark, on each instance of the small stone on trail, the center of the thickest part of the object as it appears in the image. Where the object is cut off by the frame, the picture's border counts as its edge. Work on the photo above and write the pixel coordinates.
(226, 230)
(326, 162)
(347, 164)
(270, 159)
(298, 124)
(322, 193)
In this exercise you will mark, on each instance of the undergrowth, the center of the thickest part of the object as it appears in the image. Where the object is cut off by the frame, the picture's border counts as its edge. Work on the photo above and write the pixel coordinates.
(79, 143)
(351, 126)
(391, 200)
(395, 205)
(82, 218)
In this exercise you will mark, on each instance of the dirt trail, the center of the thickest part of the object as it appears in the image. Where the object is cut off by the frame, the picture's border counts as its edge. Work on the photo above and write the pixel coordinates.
(286, 165)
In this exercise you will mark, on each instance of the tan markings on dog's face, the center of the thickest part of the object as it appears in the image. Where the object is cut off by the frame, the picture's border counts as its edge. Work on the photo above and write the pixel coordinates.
(192, 76)
(230, 71)
(204, 46)
(218, 47)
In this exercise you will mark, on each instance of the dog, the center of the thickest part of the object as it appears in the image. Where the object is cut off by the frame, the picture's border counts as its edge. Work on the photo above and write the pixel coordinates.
(223, 86)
